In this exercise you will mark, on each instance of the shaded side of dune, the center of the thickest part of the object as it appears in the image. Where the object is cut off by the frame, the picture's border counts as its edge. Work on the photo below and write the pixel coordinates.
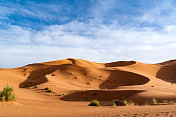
(167, 73)
(119, 63)
(123, 78)
(101, 95)
(39, 76)
(167, 62)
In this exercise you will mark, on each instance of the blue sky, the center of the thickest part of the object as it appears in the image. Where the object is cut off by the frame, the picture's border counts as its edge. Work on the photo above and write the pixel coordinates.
(97, 30)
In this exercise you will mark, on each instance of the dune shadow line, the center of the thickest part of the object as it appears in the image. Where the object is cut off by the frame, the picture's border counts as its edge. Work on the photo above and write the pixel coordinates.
(101, 95)
(39, 76)
(123, 78)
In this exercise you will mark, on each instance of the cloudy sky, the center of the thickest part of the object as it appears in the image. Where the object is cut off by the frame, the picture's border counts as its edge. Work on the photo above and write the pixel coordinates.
(96, 30)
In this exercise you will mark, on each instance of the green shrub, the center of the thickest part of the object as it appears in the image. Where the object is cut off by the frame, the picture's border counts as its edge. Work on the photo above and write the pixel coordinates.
(46, 88)
(35, 86)
(3, 98)
(118, 102)
(94, 103)
(154, 101)
(7, 94)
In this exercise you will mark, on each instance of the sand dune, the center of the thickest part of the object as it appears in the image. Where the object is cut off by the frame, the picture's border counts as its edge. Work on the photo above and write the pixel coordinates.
(167, 62)
(167, 72)
(83, 80)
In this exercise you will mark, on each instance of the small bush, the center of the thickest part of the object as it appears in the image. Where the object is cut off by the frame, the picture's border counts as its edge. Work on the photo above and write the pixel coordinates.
(7, 94)
(154, 101)
(35, 87)
(165, 101)
(3, 98)
(46, 88)
(94, 103)
(118, 102)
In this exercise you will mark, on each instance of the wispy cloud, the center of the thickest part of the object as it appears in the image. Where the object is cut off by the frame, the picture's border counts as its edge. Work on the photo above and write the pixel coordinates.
(162, 14)
(100, 43)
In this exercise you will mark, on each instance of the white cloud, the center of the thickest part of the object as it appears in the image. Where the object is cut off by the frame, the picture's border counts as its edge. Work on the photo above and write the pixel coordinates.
(170, 28)
(103, 43)
(15, 34)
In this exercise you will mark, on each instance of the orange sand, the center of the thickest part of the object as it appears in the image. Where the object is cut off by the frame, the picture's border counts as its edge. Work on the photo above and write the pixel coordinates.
(81, 81)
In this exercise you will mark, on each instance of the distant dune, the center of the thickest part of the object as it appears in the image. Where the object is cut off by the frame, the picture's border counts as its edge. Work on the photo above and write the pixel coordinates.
(82, 80)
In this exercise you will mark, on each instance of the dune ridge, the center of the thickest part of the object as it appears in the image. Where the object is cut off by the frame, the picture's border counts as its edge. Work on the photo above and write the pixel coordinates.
(83, 80)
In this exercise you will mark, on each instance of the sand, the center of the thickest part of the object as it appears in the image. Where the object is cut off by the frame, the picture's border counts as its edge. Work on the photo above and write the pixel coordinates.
(74, 82)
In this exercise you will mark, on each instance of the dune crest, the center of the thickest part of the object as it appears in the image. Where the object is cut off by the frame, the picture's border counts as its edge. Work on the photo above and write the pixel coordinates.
(120, 63)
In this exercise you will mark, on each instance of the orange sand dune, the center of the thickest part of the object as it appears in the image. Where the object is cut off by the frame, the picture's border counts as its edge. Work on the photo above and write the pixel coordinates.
(167, 62)
(80, 81)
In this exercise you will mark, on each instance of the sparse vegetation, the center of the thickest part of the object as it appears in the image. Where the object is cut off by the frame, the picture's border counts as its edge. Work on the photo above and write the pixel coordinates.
(154, 101)
(35, 87)
(46, 88)
(165, 101)
(118, 102)
(94, 102)
(7, 94)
